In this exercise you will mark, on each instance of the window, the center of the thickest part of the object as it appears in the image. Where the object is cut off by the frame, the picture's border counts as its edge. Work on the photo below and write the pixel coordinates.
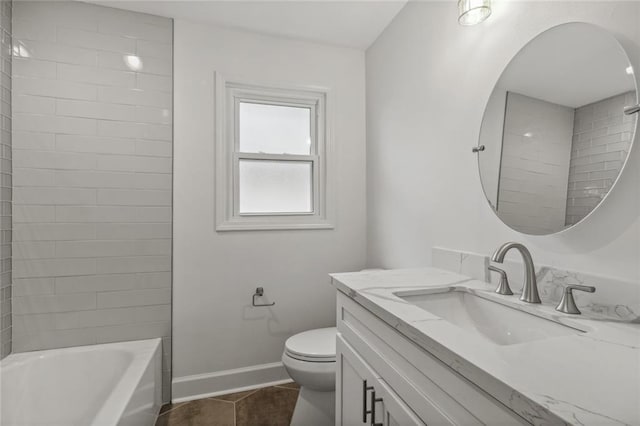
(272, 157)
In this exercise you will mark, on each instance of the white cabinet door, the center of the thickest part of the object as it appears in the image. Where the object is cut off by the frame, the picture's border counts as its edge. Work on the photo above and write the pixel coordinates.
(354, 384)
(394, 411)
(362, 397)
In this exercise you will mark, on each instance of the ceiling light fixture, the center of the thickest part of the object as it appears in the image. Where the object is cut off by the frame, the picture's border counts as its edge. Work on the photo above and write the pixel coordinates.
(472, 12)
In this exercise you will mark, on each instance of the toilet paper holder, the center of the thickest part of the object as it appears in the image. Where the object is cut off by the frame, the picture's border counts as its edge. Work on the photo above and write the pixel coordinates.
(259, 293)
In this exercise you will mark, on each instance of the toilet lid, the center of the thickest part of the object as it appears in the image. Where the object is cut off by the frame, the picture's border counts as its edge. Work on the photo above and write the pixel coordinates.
(313, 345)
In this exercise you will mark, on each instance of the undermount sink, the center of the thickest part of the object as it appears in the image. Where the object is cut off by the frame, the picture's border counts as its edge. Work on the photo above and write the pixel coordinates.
(500, 324)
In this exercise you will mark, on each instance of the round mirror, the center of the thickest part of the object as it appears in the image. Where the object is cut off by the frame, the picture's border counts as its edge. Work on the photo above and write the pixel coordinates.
(557, 129)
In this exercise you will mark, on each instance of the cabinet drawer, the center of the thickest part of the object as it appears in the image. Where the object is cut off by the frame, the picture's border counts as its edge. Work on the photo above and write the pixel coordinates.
(416, 375)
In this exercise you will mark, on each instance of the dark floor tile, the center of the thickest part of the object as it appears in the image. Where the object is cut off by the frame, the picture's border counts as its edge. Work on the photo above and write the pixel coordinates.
(233, 397)
(291, 385)
(267, 407)
(203, 412)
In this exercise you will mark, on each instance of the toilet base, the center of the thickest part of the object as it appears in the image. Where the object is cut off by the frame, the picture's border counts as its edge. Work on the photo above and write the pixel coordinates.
(314, 408)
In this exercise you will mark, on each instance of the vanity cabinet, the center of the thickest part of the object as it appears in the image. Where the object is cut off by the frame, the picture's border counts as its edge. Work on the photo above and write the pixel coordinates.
(366, 398)
(384, 379)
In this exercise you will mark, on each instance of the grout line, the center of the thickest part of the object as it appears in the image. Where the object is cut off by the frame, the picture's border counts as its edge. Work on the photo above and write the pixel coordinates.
(235, 420)
(284, 386)
(180, 404)
(248, 395)
(234, 402)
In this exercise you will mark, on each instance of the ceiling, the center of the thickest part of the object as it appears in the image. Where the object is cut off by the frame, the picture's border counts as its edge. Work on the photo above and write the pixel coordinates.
(354, 24)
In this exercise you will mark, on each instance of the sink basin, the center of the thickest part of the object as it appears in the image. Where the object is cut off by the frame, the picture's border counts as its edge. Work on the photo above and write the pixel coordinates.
(500, 324)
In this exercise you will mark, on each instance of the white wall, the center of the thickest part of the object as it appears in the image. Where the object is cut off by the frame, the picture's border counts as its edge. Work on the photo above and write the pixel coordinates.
(215, 275)
(428, 80)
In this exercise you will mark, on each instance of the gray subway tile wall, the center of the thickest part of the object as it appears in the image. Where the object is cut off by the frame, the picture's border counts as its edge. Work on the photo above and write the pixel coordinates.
(535, 165)
(93, 176)
(6, 289)
(601, 140)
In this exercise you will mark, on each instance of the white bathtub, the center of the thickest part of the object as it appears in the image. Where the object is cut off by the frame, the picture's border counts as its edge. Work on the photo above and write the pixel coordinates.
(99, 385)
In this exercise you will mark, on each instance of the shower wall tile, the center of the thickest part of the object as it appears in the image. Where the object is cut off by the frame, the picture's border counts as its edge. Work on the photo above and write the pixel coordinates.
(93, 176)
(33, 30)
(533, 186)
(35, 286)
(96, 318)
(48, 51)
(52, 303)
(602, 137)
(111, 283)
(50, 87)
(6, 289)
(58, 338)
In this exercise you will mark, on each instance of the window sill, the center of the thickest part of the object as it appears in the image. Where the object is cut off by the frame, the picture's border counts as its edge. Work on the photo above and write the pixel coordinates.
(242, 225)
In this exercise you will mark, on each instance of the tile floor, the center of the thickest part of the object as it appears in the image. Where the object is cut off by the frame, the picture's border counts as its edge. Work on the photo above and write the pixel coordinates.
(272, 406)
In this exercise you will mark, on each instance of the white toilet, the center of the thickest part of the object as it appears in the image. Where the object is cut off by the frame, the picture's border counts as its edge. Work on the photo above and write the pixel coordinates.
(310, 360)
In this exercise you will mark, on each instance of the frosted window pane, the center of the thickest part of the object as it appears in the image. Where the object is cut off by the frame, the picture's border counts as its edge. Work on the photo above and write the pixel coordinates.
(275, 186)
(275, 129)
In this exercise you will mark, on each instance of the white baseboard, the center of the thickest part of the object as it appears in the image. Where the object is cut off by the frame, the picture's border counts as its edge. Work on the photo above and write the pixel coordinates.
(198, 386)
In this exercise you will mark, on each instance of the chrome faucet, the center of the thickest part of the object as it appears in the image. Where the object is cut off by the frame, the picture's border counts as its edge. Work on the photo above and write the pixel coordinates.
(530, 288)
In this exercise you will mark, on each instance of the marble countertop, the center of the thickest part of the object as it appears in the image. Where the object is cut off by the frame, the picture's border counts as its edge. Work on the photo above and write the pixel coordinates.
(590, 378)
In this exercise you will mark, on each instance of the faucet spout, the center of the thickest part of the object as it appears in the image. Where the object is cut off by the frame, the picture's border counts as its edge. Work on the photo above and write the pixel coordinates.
(530, 288)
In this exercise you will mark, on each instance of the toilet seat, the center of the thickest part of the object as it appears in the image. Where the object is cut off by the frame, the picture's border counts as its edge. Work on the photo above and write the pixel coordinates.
(310, 360)
(317, 345)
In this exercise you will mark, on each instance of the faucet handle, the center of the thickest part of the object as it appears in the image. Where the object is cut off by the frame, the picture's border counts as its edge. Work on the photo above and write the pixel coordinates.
(503, 286)
(567, 304)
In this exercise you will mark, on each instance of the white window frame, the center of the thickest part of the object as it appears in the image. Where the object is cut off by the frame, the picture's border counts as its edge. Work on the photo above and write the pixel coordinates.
(229, 94)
